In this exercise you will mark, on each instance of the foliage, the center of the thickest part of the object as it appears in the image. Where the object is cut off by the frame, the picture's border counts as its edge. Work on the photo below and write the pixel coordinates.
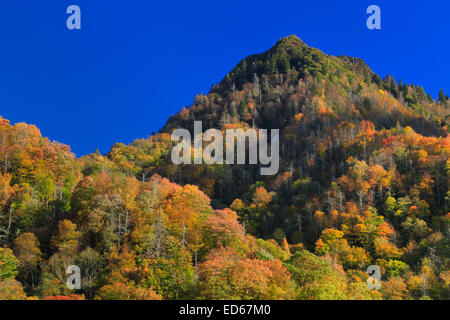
(363, 180)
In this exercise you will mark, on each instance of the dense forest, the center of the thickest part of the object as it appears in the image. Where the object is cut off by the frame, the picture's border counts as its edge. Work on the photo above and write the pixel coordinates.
(363, 180)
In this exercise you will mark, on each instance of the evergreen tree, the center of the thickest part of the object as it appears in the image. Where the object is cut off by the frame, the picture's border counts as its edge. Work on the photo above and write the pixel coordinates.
(441, 97)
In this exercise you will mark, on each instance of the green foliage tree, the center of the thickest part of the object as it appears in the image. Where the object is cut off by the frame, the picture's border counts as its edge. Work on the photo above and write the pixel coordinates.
(8, 264)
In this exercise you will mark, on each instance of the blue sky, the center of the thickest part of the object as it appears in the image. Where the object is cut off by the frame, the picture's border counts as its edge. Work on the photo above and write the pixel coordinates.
(135, 63)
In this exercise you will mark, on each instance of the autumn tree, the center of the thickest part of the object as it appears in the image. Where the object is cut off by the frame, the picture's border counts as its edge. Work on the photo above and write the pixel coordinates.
(26, 249)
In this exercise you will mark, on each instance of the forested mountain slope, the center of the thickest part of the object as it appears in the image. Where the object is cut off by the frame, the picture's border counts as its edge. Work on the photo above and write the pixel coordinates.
(363, 180)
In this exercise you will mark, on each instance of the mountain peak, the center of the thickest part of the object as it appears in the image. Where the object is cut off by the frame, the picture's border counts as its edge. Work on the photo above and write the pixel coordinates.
(289, 55)
(292, 73)
(289, 42)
